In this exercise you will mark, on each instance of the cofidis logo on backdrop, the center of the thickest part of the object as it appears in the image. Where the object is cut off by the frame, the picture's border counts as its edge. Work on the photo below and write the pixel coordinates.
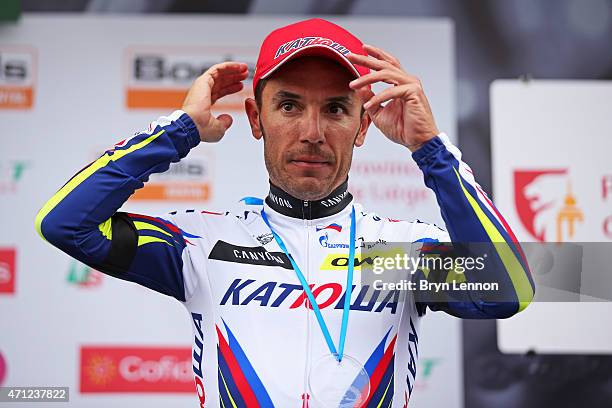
(135, 369)
(159, 77)
(17, 77)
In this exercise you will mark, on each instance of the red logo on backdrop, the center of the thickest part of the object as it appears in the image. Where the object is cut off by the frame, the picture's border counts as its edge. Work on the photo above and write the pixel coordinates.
(545, 204)
(7, 270)
(2, 369)
(136, 369)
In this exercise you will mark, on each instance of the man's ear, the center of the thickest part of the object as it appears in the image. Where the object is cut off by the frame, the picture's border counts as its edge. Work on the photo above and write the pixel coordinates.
(250, 106)
(366, 120)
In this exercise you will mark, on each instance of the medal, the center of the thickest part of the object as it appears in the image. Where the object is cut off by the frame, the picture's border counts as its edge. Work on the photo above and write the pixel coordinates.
(338, 383)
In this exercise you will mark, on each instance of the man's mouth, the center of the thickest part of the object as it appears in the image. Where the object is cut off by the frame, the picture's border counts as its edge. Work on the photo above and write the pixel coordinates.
(310, 162)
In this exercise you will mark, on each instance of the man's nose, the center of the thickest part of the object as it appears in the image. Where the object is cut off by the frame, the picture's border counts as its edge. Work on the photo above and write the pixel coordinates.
(312, 127)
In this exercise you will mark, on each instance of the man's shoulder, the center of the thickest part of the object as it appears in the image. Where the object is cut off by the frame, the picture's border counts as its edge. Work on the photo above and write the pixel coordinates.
(221, 217)
(374, 217)
(414, 229)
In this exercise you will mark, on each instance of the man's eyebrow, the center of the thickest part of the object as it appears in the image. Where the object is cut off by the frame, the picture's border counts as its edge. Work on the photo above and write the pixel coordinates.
(346, 99)
(341, 99)
(286, 94)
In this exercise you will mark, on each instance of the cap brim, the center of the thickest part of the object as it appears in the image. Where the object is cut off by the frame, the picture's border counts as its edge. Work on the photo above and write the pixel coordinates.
(316, 51)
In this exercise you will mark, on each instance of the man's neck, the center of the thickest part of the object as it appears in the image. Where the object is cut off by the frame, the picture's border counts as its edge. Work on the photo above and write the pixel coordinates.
(286, 204)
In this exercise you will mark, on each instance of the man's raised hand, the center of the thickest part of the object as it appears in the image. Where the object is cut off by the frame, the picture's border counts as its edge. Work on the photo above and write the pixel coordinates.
(406, 118)
(218, 81)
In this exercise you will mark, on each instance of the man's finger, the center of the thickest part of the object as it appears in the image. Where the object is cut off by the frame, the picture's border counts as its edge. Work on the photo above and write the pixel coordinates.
(218, 126)
(364, 93)
(225, 68)
(392, 77)
(230, 89)
(218, 71)
(231, 66)
(388, 94)
(381, 54)
(229, 79)
(225, 120)
(367, 61)
(231, 72)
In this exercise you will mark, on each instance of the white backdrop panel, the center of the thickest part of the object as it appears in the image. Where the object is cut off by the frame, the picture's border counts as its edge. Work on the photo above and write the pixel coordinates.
(86, 97)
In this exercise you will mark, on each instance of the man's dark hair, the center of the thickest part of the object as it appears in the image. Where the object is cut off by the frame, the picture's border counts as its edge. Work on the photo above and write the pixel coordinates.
(259, 91)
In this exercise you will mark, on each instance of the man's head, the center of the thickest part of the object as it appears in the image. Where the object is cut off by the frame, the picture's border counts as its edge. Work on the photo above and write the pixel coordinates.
(304, 110)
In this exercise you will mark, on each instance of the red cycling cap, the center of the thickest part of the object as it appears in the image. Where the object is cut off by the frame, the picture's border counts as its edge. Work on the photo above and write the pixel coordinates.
(313, 37)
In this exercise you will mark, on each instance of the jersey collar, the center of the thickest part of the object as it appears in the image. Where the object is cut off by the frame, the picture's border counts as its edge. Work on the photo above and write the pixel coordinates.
(286, 204)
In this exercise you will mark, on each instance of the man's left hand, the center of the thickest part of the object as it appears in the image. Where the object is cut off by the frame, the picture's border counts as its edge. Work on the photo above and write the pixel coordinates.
(406, 119)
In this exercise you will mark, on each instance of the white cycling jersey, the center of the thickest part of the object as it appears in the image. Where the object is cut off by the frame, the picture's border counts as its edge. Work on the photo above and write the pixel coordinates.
(255, 336)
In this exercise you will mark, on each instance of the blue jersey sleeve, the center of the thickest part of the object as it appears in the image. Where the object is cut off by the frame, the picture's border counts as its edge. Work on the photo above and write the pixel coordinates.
(471, 218)
(82, 217)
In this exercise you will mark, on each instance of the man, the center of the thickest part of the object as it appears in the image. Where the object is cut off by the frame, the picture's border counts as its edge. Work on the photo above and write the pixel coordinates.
(265, 315)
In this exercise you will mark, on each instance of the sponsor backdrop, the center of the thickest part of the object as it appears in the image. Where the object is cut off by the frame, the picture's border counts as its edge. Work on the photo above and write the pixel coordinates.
(71, 87)
(553, 181)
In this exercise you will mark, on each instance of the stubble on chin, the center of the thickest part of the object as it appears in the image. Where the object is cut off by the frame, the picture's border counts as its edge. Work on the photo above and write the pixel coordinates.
(310, 189)
(303, 188)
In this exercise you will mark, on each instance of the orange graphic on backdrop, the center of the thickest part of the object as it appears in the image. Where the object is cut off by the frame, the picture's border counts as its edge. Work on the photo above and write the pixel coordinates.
(17, 77)
(100, 369)
(569, 214)
(173, 191)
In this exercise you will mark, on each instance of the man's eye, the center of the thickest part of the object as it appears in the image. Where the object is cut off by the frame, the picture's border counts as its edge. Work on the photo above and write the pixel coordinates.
(287, 106)
(337, 109)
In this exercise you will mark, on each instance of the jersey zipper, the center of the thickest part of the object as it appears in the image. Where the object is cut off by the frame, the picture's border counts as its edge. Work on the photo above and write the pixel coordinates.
(305, 396)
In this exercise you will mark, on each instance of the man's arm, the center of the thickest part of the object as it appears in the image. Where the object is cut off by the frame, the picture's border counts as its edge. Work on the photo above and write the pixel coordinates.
(82, 220)
(472, 218)
(406, 119)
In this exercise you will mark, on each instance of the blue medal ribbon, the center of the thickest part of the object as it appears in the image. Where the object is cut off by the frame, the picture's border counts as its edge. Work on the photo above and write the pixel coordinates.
(315, 307)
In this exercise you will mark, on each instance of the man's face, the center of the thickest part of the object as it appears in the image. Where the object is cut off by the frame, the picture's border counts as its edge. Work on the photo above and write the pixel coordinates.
(310, 120)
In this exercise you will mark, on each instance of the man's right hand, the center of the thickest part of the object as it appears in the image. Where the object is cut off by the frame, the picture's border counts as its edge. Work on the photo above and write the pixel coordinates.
(219, 80)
